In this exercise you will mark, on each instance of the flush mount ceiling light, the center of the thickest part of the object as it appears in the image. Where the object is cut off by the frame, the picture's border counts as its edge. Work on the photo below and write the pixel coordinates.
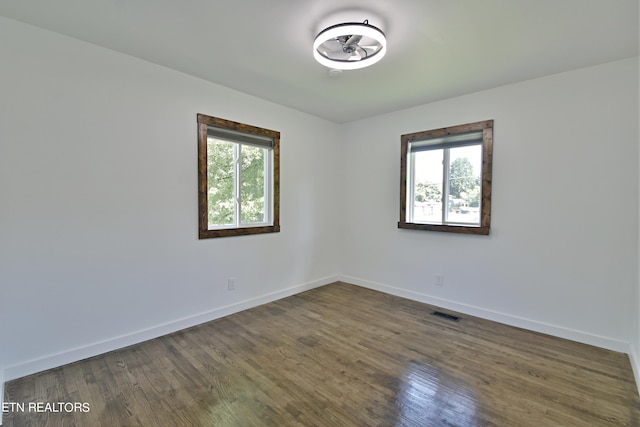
(350, 46)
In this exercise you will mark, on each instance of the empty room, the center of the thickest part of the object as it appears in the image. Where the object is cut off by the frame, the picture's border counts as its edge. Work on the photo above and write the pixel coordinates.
(319, 213)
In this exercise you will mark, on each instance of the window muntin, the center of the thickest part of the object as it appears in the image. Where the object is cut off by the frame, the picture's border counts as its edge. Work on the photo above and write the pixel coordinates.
(446, 179)
(238, 178)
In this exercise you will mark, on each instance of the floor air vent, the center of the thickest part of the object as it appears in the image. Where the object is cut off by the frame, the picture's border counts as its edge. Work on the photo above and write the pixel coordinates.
(446, 316)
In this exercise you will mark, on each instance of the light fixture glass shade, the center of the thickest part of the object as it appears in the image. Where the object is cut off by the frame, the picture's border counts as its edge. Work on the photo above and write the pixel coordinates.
(350, 46)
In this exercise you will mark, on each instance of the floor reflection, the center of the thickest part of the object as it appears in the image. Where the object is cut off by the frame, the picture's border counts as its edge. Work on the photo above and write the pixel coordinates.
(429, 396)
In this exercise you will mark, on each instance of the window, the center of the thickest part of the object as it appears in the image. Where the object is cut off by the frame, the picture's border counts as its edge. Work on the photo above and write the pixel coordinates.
(238, 178)
(445, 181)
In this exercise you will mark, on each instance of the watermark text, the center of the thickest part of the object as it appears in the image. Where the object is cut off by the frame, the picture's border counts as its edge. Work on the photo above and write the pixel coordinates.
(8, 407)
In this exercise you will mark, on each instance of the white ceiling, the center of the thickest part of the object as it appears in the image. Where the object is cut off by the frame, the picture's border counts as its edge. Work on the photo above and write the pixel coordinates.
(437, 49)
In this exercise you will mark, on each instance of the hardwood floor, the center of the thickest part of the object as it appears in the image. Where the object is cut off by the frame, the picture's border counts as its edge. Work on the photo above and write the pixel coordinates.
(339, 355)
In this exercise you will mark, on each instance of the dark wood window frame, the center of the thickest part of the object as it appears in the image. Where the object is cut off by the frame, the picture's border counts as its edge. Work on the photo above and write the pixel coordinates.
(486, 176)
(204, 232)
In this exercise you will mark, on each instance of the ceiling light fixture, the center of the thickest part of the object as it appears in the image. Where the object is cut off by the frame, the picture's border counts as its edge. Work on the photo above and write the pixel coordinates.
(350, 46)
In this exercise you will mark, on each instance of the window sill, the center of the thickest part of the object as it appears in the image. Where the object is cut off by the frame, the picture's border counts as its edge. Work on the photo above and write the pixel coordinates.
(483, 231)
(243, 231)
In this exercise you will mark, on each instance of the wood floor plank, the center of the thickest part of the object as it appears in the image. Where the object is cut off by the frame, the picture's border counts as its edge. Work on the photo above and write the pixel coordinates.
(340, 355)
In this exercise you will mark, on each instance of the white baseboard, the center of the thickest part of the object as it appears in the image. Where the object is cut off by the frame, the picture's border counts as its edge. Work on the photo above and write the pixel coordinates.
(635, 365)
(100, 347)
(508, 319)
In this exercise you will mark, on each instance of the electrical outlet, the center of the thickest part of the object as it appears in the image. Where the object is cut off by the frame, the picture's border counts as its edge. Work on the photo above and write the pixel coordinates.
(231, 283)
(439, 279)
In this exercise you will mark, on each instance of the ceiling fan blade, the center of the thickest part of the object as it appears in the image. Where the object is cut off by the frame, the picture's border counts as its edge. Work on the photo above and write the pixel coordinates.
(336, 54)
(369, 50)
(354, 39)
(355, 56)
(331, 44)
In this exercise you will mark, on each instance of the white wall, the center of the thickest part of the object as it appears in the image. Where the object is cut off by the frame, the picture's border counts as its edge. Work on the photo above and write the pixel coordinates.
(563, 251)
(98, 212)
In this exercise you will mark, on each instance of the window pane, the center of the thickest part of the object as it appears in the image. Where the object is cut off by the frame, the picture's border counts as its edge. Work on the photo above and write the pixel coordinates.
(427, 182)
(464, 184)
(253, 184)
(220, 182)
